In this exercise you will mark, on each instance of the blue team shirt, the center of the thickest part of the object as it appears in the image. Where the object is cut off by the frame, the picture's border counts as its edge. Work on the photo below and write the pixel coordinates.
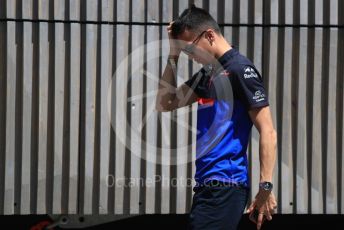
(224, 97)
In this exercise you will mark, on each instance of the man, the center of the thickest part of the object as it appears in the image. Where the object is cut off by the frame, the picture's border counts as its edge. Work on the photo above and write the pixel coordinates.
(222, 184)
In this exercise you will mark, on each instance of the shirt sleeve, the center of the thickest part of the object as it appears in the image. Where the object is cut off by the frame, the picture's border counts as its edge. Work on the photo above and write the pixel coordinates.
(195, 83)
(249, 86)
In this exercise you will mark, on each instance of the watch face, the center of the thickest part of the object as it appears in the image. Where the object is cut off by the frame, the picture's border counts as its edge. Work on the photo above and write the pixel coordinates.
(266, 186)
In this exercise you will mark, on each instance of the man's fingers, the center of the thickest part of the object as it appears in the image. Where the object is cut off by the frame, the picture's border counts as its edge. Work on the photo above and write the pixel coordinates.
(251, 217)
(272, 211)
(170, 25)
(251, 207)
(260, 220)
(268, 215)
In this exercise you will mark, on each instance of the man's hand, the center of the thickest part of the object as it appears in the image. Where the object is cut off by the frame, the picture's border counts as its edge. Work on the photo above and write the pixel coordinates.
(170, 96)
(174, 46)
(263, 206)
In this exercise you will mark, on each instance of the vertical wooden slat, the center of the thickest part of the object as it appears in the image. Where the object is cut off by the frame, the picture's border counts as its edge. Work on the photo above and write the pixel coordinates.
(286, 164)
(252, 147)
(43, 105)
(221, 14)
(270, 62)
(144, 115)
(342, 163)
(48, 150)
(235, 20)
(97, 115)
(325, 98)
(301, 160)
(258, 62)
(65, 161)
(302, 179)
(152, 76)
(334, 12)
(3, 84)
(112, 115)
(35, 111)
(243, 30)
(341, 73)
(136, 124)
(82, 127)
(59, 91)
(228, 19)
(165, 123)
(183, 5)
(198, 3)
(258, 11)
(317, 172)
(11, 69)
(75, 37)
(195, 67)
(274, 11)
(90, 102)
(254, 162)
(181, 151)
(18, 158)
(254, 143)
(177, 9)
(121, 91)
(332, 162)
(27, 108)
(331, 173)
(316, 121)
(167, 11)
(273, 74)
(288, 12)
(294, 96)
(251, 19)
(105, 126)
(319, 11)
(279, 18)
(309, 94)
(303, 12)
(340, 106)
(128, 138)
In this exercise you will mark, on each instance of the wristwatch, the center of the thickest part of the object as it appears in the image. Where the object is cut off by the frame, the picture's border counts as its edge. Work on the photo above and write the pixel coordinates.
(266, 186)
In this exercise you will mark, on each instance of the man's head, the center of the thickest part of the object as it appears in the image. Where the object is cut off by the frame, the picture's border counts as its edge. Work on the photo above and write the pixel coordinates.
(195, 20)
(200, 33)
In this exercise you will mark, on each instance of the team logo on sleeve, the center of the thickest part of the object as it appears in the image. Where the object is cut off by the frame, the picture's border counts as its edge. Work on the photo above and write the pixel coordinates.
(258, 96)
(250, 73)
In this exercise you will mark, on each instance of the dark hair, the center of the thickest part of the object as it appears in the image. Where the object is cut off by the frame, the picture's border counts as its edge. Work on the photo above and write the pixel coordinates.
(194, 19)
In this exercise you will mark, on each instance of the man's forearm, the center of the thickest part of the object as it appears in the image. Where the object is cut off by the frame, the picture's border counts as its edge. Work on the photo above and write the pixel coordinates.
(267, 154)
(167, 85)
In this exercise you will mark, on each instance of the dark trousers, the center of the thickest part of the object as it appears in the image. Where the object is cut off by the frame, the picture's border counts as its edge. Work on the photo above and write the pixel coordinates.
(217, 207)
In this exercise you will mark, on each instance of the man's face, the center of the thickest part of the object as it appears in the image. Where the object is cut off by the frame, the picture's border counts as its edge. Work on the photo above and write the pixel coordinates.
(196, 46)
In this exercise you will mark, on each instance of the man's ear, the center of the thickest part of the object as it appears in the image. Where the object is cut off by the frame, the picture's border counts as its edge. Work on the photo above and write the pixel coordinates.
(210, 35)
